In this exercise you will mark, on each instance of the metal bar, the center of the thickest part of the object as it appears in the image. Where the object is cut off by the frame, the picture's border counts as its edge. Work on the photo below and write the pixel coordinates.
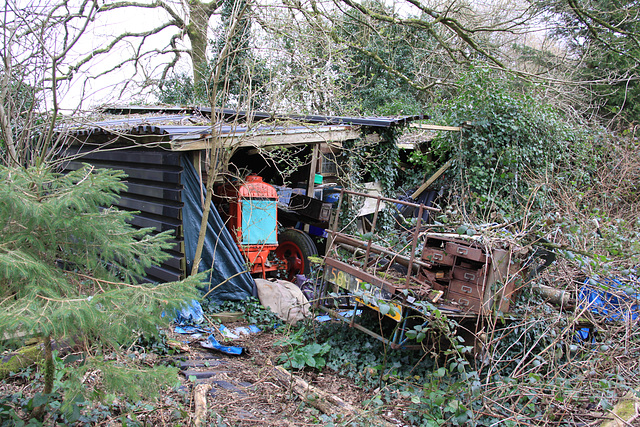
(373, 227)
(387, 199)
(363, 275)
(397, 339)
(369, 332)
(334, 228)
(337, 315)
(312, 170)
(414, 243)
(353, 318)
(356, 243)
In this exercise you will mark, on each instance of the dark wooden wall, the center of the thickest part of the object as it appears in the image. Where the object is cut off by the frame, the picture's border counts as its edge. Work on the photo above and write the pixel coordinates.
(154, 189)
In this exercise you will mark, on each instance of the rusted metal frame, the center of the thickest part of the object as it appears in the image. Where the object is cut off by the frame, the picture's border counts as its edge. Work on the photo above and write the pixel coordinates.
(414, 243)
(352, 241)
(353, 318)
(387, 199)
(363, 275)
(337, 315)
(334, 227)
(373, 227)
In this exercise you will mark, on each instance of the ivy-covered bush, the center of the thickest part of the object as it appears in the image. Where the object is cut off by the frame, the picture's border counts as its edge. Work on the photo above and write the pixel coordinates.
(508, 136)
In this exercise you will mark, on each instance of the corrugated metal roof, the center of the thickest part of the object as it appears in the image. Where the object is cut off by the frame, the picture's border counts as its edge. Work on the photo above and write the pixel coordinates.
(186, 126)
(229, 114)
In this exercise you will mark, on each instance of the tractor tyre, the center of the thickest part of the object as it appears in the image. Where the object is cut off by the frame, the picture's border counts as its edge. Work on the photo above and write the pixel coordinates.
(296, 247)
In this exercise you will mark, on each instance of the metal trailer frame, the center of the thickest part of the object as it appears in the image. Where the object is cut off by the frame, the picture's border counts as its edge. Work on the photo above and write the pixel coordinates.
(493, 266)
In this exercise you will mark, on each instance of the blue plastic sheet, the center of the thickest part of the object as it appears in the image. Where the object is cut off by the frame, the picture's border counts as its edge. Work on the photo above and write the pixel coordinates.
(213, 344)
(220, 254)
(189, 315)
(611, 298)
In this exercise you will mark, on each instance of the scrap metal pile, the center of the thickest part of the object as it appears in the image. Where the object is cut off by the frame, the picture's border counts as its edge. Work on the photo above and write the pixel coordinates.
(465, 276)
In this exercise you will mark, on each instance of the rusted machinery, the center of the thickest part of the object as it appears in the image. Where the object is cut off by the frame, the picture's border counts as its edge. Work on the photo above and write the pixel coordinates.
(460, 275)
(249, 208)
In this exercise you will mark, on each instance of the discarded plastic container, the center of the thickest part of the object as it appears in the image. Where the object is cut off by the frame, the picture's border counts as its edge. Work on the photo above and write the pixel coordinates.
(332, 194)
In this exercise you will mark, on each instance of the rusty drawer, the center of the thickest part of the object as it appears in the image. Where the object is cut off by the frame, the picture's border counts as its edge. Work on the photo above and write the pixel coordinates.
(466, 252)
(466, 303)
(466, 288)
(438, 279)
(468, 275)
(433, 275)
(438, 256)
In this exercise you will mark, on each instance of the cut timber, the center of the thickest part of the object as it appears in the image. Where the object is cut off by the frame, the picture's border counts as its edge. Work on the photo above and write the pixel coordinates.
(435, 127)
(432, 179)
(323, 401)
(200, 400)
(21, 359)
(555, 296)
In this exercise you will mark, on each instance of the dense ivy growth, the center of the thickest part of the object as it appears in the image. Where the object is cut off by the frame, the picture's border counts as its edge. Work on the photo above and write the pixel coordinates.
(508, 137)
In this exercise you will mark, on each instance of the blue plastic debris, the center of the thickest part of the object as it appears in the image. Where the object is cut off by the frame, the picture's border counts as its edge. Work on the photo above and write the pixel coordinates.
(191, 314)
(582, 334)
(610, 298)
(246, 330)
(213, 344)
(226, 332)
(187, 317)
(346, 314)
(187, 329)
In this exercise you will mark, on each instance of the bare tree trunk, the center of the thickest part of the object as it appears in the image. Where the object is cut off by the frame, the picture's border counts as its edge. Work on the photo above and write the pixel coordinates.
(49, 371)
(219, 155)
(5, 122)
(199, 15)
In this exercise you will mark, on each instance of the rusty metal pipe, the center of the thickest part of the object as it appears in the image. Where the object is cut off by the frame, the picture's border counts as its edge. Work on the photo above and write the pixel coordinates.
(345, 240)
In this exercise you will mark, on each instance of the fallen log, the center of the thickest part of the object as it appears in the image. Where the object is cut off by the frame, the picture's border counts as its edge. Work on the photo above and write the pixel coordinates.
(21, 359)
(323, 401)
(200, 400)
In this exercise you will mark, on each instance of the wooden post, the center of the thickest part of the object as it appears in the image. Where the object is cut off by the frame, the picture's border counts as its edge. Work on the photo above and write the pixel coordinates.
(315, 150)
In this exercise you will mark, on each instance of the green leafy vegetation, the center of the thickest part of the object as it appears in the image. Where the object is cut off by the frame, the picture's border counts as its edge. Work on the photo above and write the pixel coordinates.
(508, 135)
(71, 269)
(299, 354)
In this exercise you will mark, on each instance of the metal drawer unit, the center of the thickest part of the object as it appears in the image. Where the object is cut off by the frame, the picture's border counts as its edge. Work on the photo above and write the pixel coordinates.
(459, 268)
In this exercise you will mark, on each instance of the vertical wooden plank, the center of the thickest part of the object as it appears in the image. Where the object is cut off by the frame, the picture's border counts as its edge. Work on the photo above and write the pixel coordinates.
(498, 272)
(315, 150)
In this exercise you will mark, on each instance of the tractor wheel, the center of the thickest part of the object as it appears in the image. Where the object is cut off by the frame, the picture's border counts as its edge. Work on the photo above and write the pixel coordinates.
(296, 247)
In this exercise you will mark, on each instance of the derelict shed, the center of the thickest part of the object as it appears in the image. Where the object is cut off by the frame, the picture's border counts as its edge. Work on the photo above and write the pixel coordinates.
(160, 149)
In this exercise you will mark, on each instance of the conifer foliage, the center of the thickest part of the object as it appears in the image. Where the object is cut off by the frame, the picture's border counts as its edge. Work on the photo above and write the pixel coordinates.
(70, 264)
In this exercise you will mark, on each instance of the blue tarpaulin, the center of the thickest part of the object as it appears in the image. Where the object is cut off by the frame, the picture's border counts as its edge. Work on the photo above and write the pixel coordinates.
(220, 253)
(611, 298)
